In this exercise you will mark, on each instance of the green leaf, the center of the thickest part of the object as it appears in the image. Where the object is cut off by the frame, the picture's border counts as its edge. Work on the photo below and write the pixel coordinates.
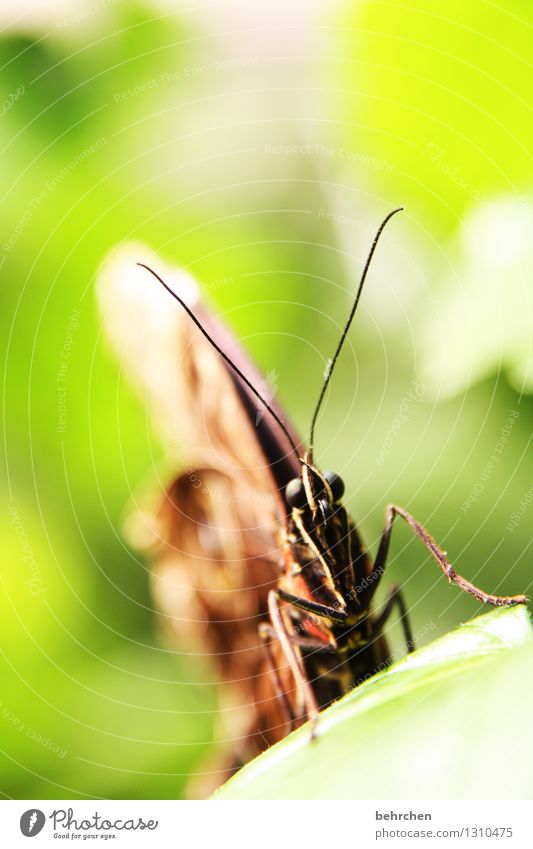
(452, 720)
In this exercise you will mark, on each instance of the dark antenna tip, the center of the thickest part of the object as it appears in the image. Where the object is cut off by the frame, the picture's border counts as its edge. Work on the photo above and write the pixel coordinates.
(332, 362)
(224, 356)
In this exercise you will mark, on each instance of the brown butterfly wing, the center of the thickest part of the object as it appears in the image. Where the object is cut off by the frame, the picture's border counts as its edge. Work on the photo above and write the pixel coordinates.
(213, 531)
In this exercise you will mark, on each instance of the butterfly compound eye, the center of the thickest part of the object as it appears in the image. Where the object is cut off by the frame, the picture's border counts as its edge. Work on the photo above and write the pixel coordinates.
(295, 494)
(336, 484)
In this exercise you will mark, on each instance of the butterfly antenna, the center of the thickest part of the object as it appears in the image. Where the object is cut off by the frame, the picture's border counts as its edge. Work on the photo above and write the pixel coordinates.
(335, 357)
(225, 357)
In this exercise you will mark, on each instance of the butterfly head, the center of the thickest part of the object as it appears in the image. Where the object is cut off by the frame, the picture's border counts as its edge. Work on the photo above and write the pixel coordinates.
(314, 491)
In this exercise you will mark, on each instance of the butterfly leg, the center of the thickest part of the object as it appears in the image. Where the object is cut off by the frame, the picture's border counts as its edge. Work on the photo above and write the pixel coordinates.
(293, 658)
(437, 554)
(266, 635)
(395, 599)
(315, 607)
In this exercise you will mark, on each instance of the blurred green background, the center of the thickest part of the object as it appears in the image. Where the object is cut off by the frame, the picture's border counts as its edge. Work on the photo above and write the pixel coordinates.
(259, 148)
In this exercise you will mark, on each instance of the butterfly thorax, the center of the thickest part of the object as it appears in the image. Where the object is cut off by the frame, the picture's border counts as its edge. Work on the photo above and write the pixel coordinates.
(325, 562)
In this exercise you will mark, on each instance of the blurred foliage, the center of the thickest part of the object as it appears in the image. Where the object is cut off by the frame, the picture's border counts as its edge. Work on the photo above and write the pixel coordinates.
(131, 124)
(488, 312)
(417, 728)
(446, 85)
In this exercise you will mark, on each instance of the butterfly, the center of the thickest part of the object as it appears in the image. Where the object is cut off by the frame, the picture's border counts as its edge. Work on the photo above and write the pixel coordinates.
(254, 555)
